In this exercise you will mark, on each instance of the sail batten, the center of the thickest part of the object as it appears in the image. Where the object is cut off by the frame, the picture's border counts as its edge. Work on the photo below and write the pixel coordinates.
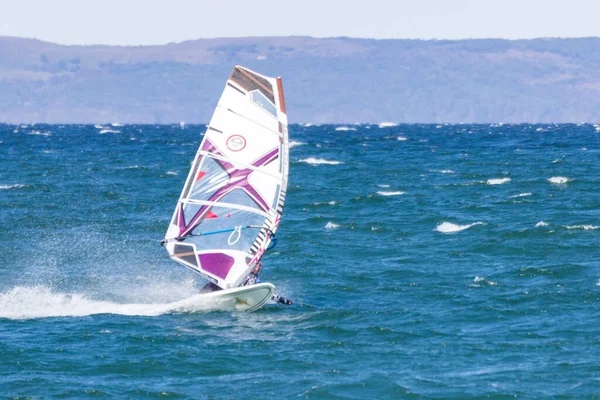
(233, 196)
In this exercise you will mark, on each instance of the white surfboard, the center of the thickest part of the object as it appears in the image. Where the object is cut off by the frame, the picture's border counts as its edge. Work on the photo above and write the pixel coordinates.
(245, 298)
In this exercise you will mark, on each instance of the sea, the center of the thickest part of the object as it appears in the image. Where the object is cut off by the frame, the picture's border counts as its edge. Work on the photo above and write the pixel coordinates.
(424, 261)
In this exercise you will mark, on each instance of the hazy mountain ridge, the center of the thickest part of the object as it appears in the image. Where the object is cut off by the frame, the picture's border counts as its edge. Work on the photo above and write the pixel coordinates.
(325, 80)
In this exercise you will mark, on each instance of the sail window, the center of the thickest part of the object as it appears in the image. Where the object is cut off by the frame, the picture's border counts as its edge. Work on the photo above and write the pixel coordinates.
(259, 99)
(185, 253)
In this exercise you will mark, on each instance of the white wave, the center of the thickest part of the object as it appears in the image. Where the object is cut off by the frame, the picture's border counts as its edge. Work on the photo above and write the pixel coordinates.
(331, 203)
(103, 131)
(387, 124)
(448, 227)
(24, 302)
(598, 129)
(483, 280)
(344, 128)
(401, 138)
(446, 171)
(384, 193)
(116, 124)
(182, 124)
(293, 144)
(331, 225)
(319, 161)
(99, 126)
(520, 195)
(39, 133)
(15, 186)
(171, 173)
(559, 180)
(499, 181)
(541, 223)
(584, 227)
(308, 125)
(384, 186)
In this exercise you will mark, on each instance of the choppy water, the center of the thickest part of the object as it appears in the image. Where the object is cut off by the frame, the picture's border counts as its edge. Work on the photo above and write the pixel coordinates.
(426, 261)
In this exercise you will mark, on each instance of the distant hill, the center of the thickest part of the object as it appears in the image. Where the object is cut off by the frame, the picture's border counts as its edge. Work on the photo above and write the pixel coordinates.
(325, 80)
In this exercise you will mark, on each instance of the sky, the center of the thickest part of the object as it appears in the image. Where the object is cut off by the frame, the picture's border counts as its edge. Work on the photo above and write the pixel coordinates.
(147, 22)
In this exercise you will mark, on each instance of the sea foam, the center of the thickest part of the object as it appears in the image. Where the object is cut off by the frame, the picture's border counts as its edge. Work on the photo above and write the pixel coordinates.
(15, 186)
(319, 161)
(344, 128)
(498, 181)
(559, 180)
(584, 227)
(331, 225)
(389, 193)
(293, 144)
(448, 227)
(387, 124)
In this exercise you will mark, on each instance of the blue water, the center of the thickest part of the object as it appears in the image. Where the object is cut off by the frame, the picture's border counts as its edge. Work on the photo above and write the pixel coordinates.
(426, 261)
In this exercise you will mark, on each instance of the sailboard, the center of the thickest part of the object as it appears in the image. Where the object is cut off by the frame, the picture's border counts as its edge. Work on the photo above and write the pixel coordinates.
(231, 204)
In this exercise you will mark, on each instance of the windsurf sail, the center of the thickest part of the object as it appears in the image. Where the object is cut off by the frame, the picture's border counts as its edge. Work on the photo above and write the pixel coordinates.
(231, 203)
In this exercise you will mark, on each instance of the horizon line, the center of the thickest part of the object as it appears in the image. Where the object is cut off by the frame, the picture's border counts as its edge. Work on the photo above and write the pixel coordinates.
(305, 37)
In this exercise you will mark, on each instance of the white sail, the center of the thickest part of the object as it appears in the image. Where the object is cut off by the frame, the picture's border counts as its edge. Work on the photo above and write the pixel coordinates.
(233, 197)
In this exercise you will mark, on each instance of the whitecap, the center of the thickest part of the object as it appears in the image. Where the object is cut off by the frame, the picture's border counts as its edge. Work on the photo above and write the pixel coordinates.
(344, 128)
(15, 186)
(401, 138)
(584, 227)
(319, 161)
(479, 280)
(293, 144)
(448, 227)
(499, 181)
(171, 173)
(520, 195)
(331, 225)
(541, 223)
(384, 193)
(384, 186)
(446, 171)
(387, 124)
(39, 133)
(331, 203)
(116, 124)
(99, 126)
(559, 180)
(103, 131)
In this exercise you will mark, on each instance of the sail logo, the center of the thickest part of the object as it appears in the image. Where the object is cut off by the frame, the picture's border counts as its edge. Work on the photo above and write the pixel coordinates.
(236, 143)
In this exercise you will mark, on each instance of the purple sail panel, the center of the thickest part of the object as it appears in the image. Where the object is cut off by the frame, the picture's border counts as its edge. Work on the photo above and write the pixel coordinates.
(217, 264)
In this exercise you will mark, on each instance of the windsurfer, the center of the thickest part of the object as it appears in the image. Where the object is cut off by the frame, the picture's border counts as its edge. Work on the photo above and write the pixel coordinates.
(253, 278)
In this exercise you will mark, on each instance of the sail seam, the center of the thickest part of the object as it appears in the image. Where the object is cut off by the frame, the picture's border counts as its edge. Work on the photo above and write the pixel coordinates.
(279, 134)
(229, 205)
